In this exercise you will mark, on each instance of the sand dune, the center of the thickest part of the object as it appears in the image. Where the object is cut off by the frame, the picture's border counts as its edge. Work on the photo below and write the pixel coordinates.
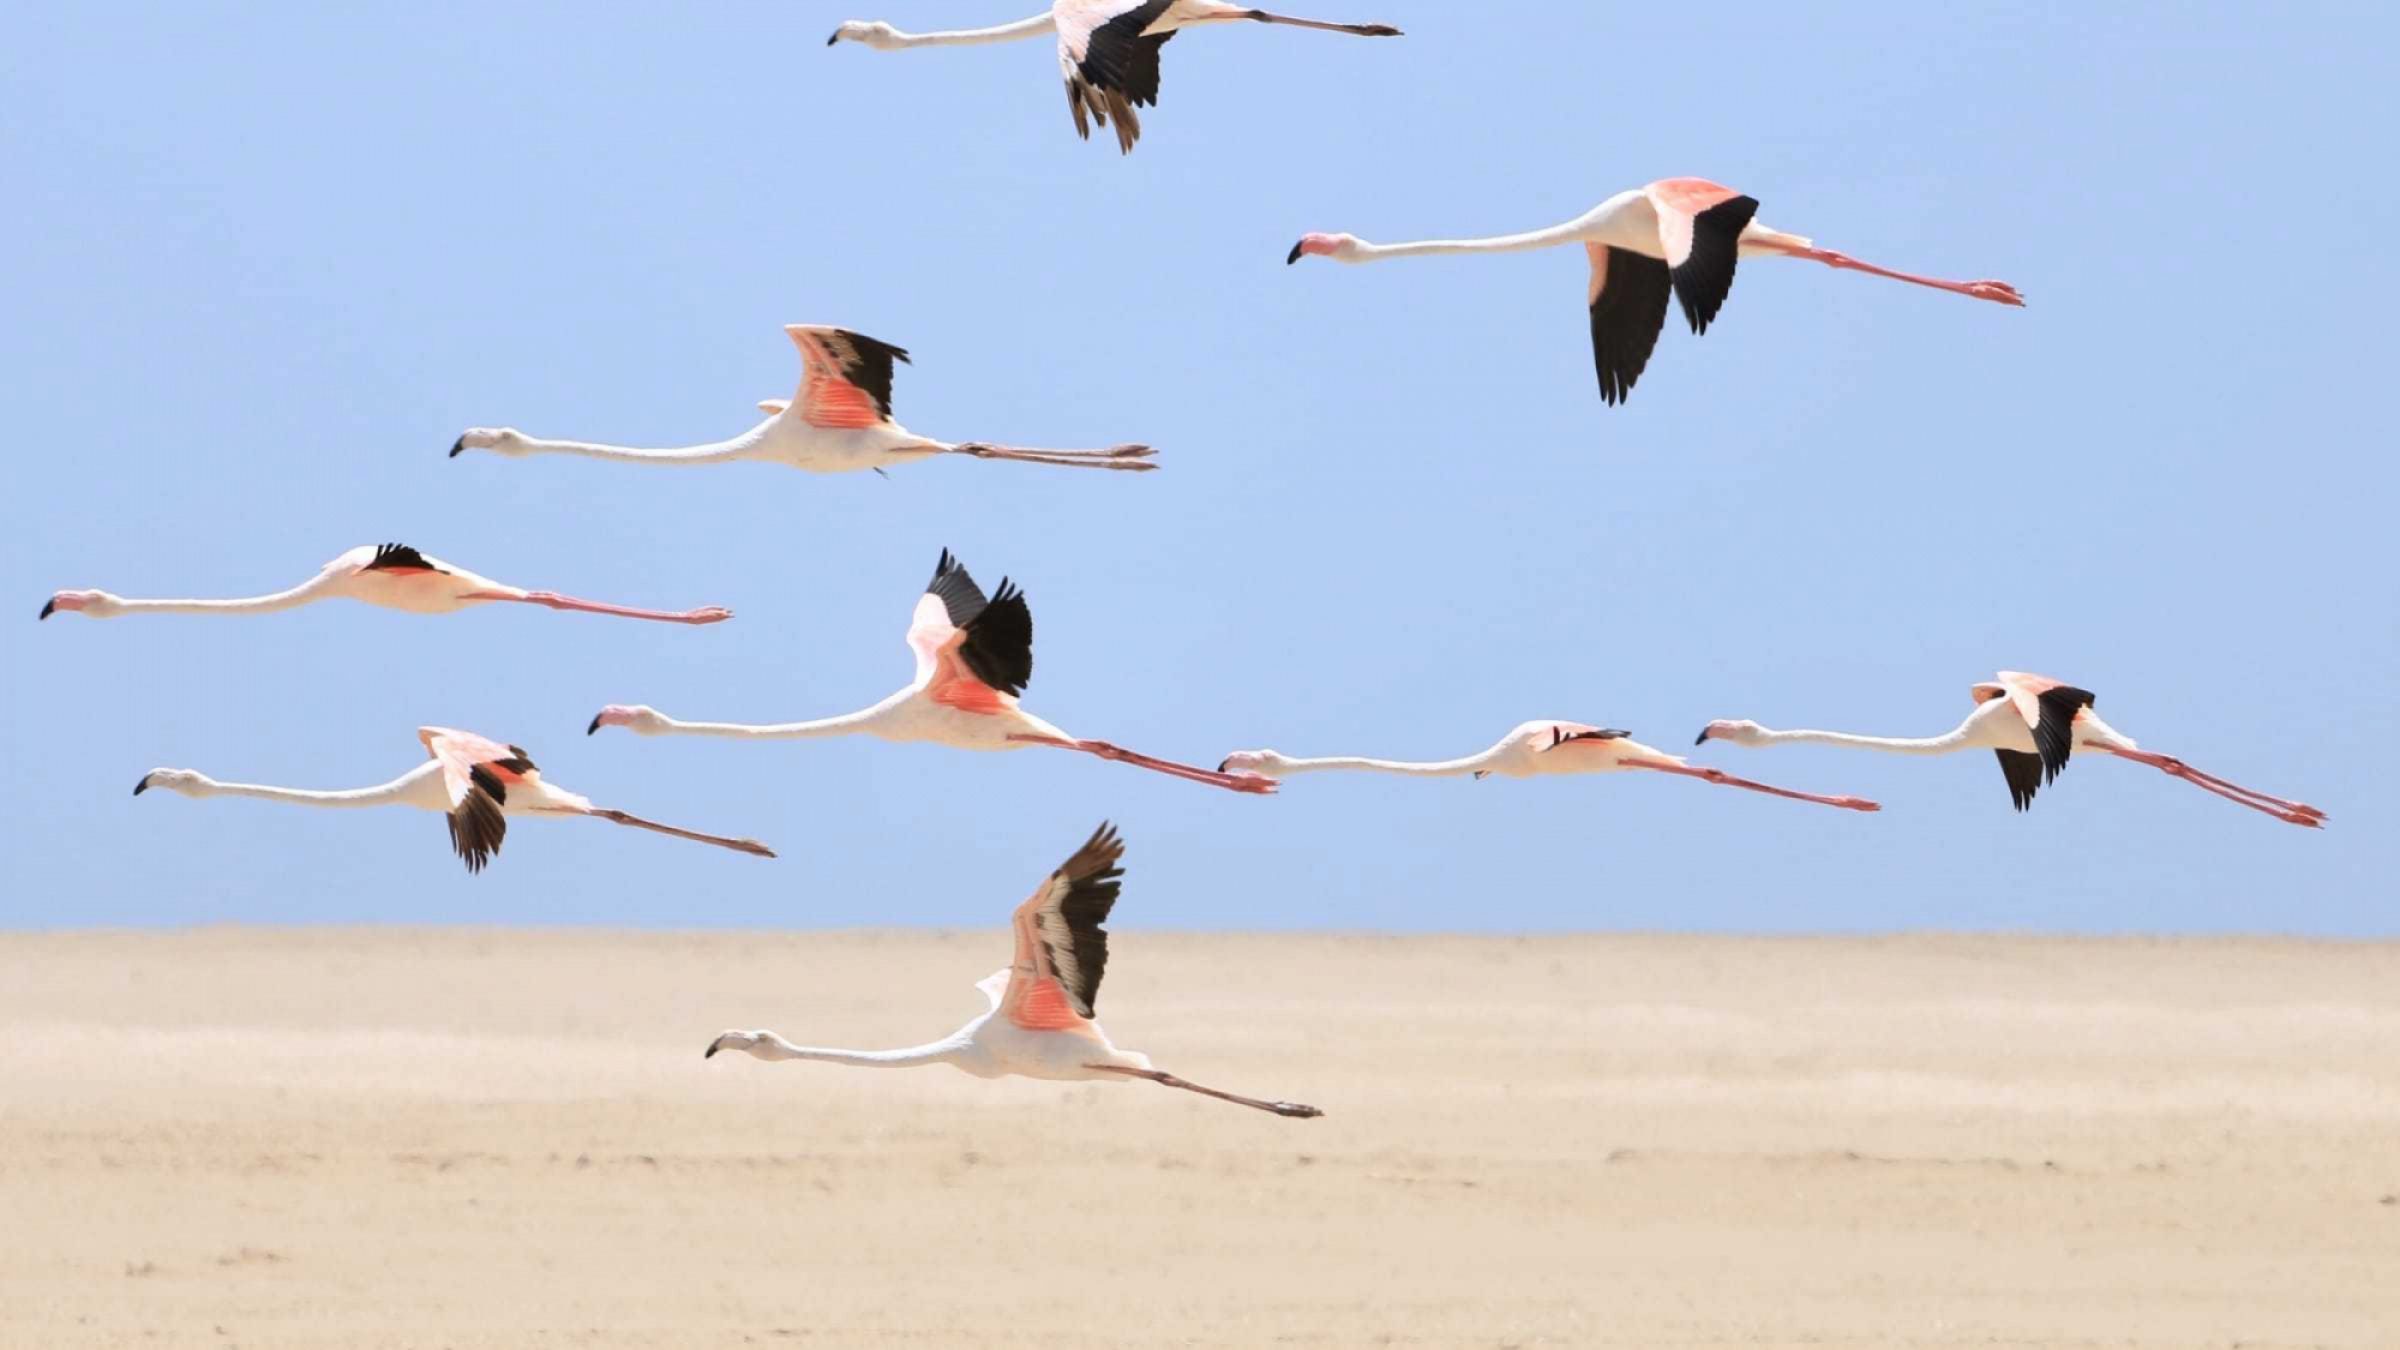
(276, 1138)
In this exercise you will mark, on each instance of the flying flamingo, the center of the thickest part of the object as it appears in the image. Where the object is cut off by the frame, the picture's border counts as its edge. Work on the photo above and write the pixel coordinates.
(2033, 723)
(838, 422)
(1107, 49)
(1040, 1022)
(394, 576)
(1533, 749)
(1683, 234)
(477, 783)
(974, 656)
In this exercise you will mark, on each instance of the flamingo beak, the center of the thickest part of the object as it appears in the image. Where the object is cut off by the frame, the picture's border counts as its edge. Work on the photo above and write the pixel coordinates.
(1222, 763)
(1702, 737)
(141, 786)
(595, 726)
(458, 445)
(1293, 256)
(49, 607)
(837, 36)
(711, 1051)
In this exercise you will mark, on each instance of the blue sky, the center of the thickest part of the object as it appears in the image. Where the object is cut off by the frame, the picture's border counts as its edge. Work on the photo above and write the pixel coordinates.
(266, 261)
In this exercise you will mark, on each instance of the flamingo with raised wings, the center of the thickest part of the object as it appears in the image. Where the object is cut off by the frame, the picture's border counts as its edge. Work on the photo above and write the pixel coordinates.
(1039, 1024)
(1678, 235)
(393, 576)
(475, 782)
(1531, 750)
(1107, 49)
(2034, 724)
(974, 656)
(839, 421)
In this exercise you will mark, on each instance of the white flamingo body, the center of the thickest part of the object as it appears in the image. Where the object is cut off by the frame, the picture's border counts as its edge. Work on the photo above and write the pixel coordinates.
(476, 782)
(973, 655)
(1039, 1020)
(2034, 724)
(838, 421)
(390, 576)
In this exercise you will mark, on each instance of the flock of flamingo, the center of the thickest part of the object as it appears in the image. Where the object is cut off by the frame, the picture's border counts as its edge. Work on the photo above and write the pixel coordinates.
(1677, 237)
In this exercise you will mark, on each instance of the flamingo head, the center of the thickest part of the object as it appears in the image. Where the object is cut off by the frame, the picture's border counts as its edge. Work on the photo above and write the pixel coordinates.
(185, 781)
(506, 440)
(731, 1040)
(873, 32)
(642, 720)
(1740, 733)
(1257, 763)
(97, 604)
(1339, 247)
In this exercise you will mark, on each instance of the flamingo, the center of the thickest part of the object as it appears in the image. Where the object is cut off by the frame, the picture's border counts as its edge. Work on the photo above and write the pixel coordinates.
(1530, 750)
(974, 656)
(477, 783)
(1683, 234)
(1039, 1024)
(839, 421)
(2034, 724)
(394, 576)
(1107, 49)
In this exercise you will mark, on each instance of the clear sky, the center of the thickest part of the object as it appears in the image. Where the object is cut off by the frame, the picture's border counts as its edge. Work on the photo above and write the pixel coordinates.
(265, 261)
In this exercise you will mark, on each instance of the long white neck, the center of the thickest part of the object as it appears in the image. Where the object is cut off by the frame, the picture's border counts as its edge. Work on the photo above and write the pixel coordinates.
(772, 1046)
(848, 724)
(715, 452)
(1446, 768)
(301, 594)
(1956, 739)
(1572, 232)
(400, 791)
(969, 37)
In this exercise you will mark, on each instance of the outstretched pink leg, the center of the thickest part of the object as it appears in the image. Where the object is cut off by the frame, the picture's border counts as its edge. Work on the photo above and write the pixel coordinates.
(1293, 1109)
(1132, 458)
(553, 600)
(2290, 812)
(1724, 779)
(1999, 292)
(1322, 26)
(1238, 782)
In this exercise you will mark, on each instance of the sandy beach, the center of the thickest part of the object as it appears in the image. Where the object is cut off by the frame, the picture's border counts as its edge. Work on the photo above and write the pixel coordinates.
(488, 1138)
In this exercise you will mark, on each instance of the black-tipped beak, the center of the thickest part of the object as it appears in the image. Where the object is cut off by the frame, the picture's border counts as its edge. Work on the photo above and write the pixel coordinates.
(837, 36)
(49, 607)
(711, 1051)
(595, 726)
(1293, 256)
(142, 786)
(1223, 764)
(458, 445)
(1702, 737)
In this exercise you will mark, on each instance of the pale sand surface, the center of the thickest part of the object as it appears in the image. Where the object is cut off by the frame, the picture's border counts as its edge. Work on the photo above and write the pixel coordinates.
(508, 1139)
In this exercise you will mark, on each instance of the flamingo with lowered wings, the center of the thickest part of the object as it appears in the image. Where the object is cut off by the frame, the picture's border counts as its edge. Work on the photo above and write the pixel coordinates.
(2035, 724)
(1107, 49)
(1678, 235)
(1040, 1022)
(839, 421)
(476, 782)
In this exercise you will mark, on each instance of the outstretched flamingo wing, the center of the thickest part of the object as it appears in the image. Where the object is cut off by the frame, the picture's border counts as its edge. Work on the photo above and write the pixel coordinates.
(1061, 947)
(971, 649)
(1629, 306)
(1571, 733)
(1110, 62)
(1700, 226)
(2049, 709)
(845, 377)
(400, 560)
(478, 771)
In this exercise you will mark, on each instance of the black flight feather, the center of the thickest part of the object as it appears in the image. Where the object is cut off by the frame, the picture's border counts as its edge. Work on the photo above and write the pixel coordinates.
(999, 643)
(869, 367)
(1627, 315)
(396, 557)
(1706, 277)
(1092, 884)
